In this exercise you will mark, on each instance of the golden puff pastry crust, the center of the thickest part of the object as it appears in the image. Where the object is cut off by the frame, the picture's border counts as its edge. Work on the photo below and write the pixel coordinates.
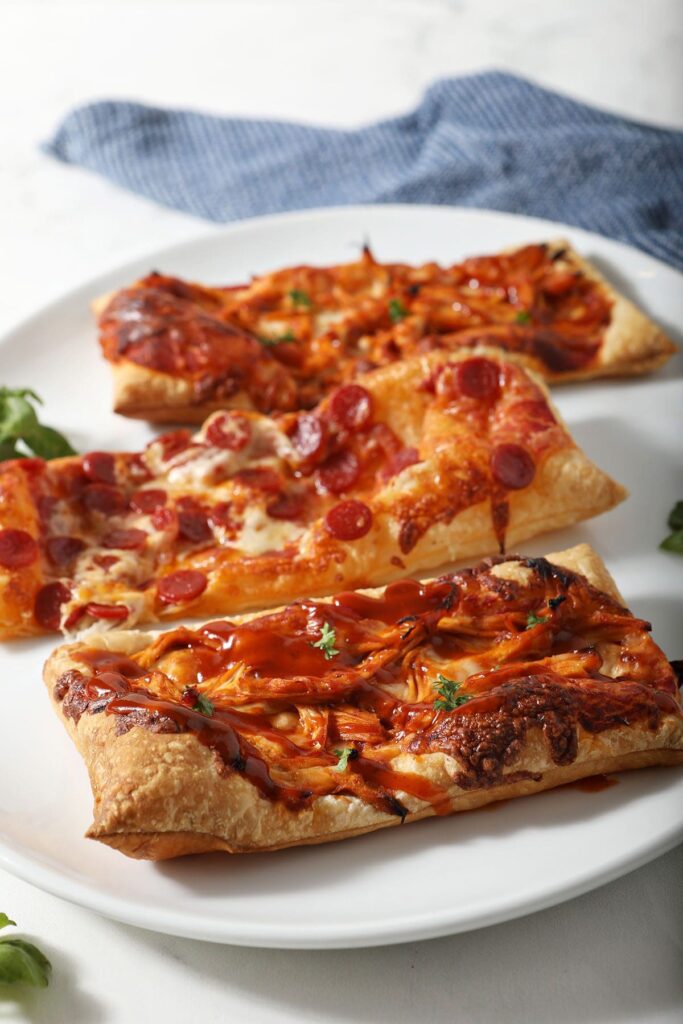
(432, 698)
(179, 350)
(427, 461)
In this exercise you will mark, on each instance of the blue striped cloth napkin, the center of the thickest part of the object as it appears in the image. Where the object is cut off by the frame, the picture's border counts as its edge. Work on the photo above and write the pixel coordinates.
(485, 140)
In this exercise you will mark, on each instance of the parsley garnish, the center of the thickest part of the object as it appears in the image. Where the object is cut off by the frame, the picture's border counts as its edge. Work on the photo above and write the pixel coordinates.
(523, 316)
(674, 542)
(328, 638)
(21, 961)
(300, 298)
(535, 620)
(397, 311)
(450, 699)
(287, 336)
(203, 705)
(21, 433)
(344, 754)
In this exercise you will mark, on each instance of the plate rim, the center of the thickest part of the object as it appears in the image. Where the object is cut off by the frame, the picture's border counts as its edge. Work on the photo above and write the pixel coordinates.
(414, 927)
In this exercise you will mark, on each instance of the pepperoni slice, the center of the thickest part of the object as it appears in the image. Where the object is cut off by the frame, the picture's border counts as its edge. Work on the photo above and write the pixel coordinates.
(193, 525)
(104, 498)
(221, 515)
(173, 442)
(105, 561)
(536, 414)
(229, 431)
(349, 520)
(127, 540)
(339, 472)
(46, 505)
(478, 378)
(309, 435)
(512, 466)
(48, 604)
(148, 501)
(163, 518)
(113, 612)
(17, 549)
(62, 550)
(399, 461)
(351, 406)
(287, 506)
(100, 467)
(180, 586)
(262, 478)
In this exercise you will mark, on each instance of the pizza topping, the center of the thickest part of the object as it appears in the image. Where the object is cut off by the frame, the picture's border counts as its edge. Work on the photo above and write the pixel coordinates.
(100, 467)
(309, 435)
(48, 604)
(105, 499)
(148, 501)
(17, 549)
(349, 520)
(193, 522)
(221, 516)
(288, 506)
(478, 378)
(183, 585)
(260, 478)
(399, 461)
(110, 612)
(164, 519)
(512, 466)
(339, 472)
(326, 642)
(172, 443)
(229, 430)
(127, 539)
(351, 406)
(61, 550)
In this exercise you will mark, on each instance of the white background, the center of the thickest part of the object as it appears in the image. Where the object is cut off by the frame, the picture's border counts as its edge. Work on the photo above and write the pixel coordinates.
(612, 956)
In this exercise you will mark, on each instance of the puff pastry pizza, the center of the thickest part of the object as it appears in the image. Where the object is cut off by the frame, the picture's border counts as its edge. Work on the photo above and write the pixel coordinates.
(426, 461)
(330, 718)
(180, 350)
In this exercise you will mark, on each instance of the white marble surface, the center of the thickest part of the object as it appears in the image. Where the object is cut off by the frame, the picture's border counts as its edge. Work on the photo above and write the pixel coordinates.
(612, 956)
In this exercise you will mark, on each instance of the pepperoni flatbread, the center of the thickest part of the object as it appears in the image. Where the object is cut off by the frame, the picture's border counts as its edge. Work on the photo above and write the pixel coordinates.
(423, 462)
(327, 719)
(179, 351)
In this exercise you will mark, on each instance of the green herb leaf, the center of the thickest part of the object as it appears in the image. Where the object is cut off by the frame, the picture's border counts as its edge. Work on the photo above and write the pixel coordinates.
(21, 433)
(535, 620)
(300, 298)
(21, 961)
(397, 311)
(449, 699)
(673, 543)
(203, 705)
(523, 317)
(287, 336)
(328, 638)
(344, 754)
(675, 520)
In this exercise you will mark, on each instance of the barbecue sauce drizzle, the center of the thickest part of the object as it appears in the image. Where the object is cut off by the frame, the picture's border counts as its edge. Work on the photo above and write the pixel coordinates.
(484, 734)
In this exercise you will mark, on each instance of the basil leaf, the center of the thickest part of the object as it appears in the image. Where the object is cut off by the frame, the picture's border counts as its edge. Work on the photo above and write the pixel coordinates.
(673, 543)
(21, 961)
(344, 754)
(5, 920)
(48, 443)
(675, 520)
(16, 417)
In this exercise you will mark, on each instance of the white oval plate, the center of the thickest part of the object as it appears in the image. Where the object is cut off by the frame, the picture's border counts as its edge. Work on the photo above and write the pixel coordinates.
(428, 879)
